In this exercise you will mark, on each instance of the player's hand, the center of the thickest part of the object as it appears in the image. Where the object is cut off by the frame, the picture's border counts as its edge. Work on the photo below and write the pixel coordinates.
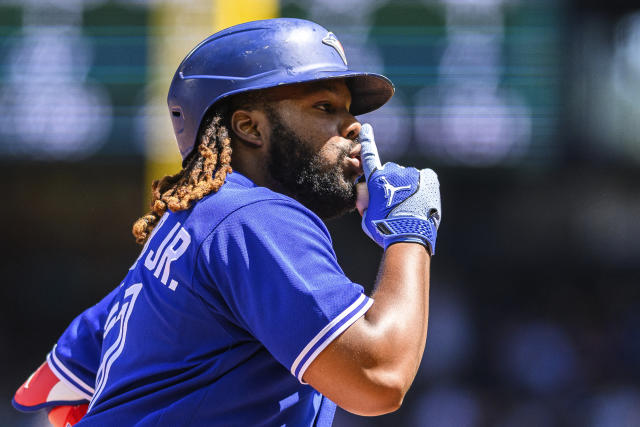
(362, 200)
(404, 203)
(43, 389)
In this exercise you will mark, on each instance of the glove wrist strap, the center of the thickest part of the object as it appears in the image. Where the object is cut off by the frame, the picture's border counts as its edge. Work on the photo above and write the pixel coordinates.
(408, 229)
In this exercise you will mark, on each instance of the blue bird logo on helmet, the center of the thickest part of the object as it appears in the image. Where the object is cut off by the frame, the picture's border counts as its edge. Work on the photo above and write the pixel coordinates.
(259, 55)
(331, 40)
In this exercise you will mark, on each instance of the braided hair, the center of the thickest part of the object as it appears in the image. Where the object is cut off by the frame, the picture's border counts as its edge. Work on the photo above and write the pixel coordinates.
(203, 172)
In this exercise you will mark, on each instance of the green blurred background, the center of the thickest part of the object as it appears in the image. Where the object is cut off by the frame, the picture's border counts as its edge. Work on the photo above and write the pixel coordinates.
(528, 110)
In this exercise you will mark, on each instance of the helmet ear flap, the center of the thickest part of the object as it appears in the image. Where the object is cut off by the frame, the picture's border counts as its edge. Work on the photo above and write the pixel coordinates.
(177, 119)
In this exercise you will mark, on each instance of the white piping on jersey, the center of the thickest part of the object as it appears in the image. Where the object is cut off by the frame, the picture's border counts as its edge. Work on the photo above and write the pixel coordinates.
(86, 393)
(348, 311)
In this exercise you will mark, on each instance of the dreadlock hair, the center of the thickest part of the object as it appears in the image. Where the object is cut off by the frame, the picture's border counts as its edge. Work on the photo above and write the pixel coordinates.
(203, 172)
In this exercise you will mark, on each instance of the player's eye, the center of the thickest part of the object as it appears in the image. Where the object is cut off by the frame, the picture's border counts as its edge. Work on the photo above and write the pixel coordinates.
(324, 106)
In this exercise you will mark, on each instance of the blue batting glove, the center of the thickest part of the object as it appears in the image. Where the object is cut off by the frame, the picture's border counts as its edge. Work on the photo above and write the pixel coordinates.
(404, 203)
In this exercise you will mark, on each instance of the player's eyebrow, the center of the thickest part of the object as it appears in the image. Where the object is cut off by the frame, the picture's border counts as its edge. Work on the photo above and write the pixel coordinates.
(322, 86)
(325, 86)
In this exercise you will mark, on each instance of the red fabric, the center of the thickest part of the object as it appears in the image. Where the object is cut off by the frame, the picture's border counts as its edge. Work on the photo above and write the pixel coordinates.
(36, 389)
(66, 416)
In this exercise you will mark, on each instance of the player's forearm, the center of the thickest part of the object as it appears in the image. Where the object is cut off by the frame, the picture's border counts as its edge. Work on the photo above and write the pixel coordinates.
(398, 317)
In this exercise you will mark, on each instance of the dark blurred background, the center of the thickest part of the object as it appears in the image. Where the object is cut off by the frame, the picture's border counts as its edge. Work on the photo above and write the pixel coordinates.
(528, 110)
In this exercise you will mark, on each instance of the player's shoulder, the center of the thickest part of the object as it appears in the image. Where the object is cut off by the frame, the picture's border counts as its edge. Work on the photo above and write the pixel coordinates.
(240, 202)
(240, 196)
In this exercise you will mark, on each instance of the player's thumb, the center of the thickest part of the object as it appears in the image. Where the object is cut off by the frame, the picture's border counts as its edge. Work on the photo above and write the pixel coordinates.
(369, 151)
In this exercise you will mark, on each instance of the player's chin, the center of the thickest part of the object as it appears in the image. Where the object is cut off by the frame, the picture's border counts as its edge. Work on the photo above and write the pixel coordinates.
(341, 204)
(348, 188)
(349, 179)
(334, 201)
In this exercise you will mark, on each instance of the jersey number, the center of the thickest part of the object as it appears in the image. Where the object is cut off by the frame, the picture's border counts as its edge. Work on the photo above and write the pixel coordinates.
(119, 315)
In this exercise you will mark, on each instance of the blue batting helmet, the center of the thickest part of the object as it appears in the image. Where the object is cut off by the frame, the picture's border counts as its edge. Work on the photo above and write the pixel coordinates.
(259, 55)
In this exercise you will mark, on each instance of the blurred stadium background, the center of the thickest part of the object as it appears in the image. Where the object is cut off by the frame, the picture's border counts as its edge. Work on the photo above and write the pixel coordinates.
(528, 110)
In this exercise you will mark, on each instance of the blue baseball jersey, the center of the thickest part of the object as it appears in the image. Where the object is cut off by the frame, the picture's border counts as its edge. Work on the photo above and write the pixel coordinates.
(217, 320)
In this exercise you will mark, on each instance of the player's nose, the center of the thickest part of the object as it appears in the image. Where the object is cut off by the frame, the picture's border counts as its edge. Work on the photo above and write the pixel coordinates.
(352, 130)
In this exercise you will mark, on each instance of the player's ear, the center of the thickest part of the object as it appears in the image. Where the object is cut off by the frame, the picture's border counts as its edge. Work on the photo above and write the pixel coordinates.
(247, 125)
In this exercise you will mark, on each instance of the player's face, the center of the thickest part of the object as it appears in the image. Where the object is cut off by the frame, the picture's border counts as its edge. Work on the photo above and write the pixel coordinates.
(313, 154)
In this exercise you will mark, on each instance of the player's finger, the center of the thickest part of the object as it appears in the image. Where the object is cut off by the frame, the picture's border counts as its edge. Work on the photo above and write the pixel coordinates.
(362, 199)
(369, 152)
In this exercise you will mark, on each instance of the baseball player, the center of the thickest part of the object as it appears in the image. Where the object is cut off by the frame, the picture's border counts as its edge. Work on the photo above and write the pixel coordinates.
(236, 312)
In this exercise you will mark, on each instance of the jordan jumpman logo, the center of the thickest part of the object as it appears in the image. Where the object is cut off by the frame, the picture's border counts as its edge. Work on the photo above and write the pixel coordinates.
(390, 190)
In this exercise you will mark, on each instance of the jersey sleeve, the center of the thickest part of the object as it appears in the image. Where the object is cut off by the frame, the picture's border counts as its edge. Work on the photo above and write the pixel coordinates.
(76, 356)
(273, 264)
